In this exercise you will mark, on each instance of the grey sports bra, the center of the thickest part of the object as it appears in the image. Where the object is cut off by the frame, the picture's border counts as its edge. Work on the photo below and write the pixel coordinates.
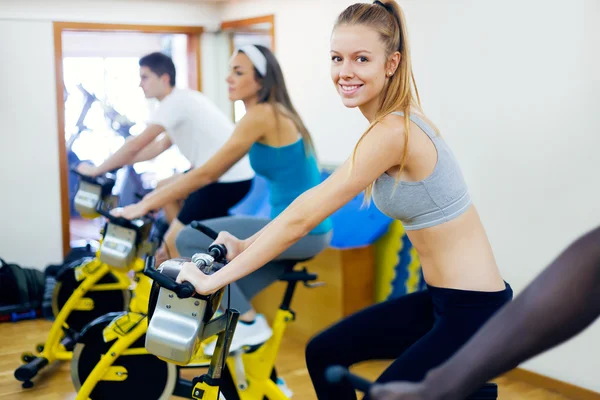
(440, 197)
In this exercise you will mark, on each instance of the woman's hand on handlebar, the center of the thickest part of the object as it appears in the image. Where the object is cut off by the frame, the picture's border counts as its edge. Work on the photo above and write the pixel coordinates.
(400, 391)
(87, 169)
(234, 245)
(130, 212)
(202, 283)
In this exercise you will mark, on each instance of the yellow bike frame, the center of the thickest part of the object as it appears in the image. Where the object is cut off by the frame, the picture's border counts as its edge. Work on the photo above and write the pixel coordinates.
(126, 330)
(259, 364)
(129, 328)
(90, 273)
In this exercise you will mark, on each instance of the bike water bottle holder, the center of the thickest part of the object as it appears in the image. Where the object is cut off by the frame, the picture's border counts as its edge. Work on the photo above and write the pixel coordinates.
(177, 326)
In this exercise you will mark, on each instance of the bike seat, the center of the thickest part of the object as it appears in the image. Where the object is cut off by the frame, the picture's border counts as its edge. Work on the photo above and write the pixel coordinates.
(300, 275)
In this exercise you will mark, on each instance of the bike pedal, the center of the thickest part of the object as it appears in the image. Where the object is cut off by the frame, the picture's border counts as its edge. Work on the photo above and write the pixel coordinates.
(198, 364)
(314, 285)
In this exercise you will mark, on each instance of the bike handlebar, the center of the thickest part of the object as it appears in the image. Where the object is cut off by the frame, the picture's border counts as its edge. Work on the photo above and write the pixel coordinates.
(185, 289)
(337, 374)
(217, 251)
(124, 222)
(96, 180)
(182, 290)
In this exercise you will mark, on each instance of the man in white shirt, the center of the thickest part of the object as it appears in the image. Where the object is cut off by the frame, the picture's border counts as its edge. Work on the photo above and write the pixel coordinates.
(198, 128)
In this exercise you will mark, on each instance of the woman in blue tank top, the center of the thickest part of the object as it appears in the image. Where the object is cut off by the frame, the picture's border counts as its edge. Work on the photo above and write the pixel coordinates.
(281, 150)
(407, 167)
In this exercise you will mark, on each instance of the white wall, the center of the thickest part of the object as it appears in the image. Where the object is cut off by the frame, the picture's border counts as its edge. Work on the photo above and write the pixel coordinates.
(113, 11)
(513, 85)
(30, 223)
(30, 219)
(109, 44)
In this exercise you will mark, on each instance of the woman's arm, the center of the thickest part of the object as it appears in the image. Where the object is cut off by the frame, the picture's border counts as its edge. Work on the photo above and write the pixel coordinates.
(249, 130)
(236, 246)
(380, 150)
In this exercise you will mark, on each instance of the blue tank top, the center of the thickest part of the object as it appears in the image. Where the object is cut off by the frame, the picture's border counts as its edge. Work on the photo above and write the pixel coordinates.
(289, 173)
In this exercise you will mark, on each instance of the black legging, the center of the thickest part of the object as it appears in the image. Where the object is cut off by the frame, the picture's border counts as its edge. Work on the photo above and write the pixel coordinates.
(419, 330)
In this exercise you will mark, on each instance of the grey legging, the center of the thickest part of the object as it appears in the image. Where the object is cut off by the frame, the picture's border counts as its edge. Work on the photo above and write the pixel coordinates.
(189, 241)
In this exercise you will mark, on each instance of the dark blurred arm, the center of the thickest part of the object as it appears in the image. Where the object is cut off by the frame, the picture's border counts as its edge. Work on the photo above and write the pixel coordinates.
(561, 302)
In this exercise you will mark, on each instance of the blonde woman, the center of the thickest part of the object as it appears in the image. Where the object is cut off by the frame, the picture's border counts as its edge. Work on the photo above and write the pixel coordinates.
(412, 175)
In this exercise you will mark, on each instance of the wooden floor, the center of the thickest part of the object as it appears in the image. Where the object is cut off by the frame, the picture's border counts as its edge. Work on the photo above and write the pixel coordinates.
(55, 384)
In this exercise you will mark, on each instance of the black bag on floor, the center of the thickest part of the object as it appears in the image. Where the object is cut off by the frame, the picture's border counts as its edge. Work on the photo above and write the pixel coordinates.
(22, 289)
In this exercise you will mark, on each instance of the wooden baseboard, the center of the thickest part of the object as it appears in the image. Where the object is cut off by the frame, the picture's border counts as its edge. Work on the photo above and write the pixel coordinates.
(563, 388)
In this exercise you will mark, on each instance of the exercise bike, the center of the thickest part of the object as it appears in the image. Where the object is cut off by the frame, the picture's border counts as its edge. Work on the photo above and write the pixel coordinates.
(129, 182)
(338, 375)
(95, 286)
(145, 359)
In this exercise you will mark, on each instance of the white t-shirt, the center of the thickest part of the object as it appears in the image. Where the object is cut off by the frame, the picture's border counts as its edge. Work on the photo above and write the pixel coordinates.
(198, 128)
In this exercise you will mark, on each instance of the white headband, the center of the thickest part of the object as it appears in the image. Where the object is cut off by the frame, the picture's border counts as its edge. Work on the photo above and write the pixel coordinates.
(256, 57)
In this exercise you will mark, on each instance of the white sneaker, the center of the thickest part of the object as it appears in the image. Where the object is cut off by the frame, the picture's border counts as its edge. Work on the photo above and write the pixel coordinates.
(245, 335)
(284, 387)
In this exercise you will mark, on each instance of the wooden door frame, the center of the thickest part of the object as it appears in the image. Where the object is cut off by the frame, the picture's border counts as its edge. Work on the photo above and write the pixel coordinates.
(194, 79)
(244, 24)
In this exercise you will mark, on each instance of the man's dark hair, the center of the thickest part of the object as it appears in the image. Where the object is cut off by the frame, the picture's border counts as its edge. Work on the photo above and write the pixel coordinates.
(160, 64)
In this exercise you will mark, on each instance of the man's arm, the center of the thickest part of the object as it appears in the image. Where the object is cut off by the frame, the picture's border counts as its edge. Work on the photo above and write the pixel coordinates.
(128, 152)
(153, 150)
(561, 302)
(248, 131)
